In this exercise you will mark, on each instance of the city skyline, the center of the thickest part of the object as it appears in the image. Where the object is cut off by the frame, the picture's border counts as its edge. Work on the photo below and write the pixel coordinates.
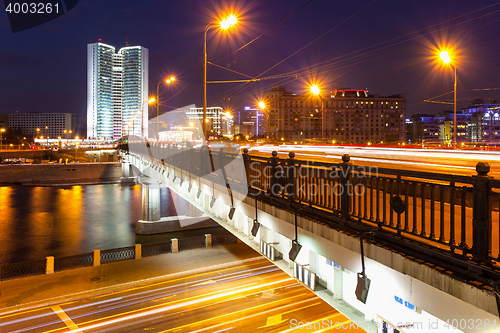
(363, 47)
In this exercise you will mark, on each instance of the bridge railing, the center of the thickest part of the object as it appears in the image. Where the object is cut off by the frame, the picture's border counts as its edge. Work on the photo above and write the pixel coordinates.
(451, 214)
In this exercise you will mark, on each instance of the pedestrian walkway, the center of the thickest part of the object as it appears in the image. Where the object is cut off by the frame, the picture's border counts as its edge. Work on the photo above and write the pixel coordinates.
(43, 290)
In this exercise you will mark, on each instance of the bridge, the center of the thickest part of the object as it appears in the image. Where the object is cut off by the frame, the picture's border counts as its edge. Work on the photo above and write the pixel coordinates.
(408, 250)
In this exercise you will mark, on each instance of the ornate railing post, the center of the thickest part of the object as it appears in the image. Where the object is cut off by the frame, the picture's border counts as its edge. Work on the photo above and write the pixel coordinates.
(291, 175)
(272, 175)
(481, 215)
(344, 186)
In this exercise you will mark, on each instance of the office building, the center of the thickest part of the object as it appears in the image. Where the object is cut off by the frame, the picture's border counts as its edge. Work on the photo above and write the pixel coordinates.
(251, 122)
(50, 125)
(352, 116)
(219, 123)
(478, 122)
(117, 91)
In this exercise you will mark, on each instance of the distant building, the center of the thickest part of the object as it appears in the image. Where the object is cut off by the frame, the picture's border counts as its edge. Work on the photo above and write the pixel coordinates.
(251, 122)
(484, 123)
(4, 121)
(52, 125)
(219, 123)
(477, 123)
(117, 91)
(351, 116)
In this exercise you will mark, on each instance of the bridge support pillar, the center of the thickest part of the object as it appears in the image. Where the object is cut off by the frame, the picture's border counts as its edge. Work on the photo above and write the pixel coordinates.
(127, 173)
(150, 201)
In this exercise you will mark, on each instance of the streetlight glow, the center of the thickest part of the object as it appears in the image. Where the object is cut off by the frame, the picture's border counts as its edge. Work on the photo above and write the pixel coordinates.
(228, 22)
(445, 57)
(314, 89)
(151, 100)
(262, 105)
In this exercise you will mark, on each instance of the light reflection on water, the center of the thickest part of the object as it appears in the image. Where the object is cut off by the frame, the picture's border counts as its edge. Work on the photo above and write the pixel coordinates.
(36, 222)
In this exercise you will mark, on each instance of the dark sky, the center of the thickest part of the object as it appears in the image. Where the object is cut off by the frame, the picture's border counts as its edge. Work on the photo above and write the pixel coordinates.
(386, 46)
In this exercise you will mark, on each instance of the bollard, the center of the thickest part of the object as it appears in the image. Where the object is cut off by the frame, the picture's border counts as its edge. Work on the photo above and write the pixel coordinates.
(175, 245)
(481, 214)
(138, 251)
(49, 265)
(208, 240)
(97, 257)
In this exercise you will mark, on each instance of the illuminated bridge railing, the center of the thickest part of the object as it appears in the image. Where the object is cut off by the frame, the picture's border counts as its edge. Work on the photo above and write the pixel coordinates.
(449, 220)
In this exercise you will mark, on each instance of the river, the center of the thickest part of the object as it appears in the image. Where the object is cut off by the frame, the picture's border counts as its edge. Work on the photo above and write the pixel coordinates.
(38, 221)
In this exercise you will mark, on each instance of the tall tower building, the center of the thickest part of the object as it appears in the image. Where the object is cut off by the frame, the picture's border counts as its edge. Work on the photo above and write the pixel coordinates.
(117, 91)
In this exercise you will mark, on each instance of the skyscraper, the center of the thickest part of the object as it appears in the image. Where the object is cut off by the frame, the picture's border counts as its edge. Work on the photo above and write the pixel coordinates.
(117, 91)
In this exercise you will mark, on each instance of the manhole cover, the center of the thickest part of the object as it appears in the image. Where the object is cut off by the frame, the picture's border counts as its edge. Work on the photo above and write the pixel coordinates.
(95, 279)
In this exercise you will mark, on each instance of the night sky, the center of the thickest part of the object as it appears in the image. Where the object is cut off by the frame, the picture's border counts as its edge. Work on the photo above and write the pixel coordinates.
(387, 46)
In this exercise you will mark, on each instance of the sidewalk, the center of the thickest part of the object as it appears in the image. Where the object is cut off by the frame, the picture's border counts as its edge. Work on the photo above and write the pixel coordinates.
(42, 290)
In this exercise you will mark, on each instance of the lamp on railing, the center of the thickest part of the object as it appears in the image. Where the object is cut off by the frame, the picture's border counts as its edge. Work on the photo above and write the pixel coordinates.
(256, 224)
(199, 193)
(231, 213)
(363, 281)
(294, 251)
(212, 202)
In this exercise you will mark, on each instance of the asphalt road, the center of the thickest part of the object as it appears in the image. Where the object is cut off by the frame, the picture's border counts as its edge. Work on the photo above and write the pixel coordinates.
(254, 296)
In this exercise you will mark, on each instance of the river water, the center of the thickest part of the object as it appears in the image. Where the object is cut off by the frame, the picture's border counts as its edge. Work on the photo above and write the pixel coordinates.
(38, 221)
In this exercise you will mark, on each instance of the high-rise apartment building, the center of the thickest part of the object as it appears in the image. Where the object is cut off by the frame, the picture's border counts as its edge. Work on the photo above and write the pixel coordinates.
(117, 91)
(350, 116)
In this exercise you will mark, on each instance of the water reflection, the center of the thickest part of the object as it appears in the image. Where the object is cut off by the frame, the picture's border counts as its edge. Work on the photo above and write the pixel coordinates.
(36, 222)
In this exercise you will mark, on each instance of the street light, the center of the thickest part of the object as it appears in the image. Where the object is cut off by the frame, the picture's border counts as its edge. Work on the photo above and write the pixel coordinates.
(316, 91)
(152, 100)
(446, 58)
(1, 137)
(225, 24)
(262, 106)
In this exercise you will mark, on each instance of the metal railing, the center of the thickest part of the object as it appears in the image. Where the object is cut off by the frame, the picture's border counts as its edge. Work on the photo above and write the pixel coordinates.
(156, 248)
(224, 239)
(75, 261)
(191, 243)
(443, 218)
(122, 253)
(22, 269)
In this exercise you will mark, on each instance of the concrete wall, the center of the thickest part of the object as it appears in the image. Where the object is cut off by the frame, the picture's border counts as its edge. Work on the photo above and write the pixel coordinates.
(33, 173)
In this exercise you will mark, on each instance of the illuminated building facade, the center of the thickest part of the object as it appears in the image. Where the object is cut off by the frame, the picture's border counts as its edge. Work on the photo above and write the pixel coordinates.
(219, 123)
(117, 91)
(51, 125)
(251, 122)
(351, 116)
(476, 123)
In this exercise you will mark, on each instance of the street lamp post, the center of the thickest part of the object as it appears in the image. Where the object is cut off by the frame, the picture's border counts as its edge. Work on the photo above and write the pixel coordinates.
(316, 91)
(262, 106)
(224, 24)
(1, 138)
(445, 57)
(167, 81)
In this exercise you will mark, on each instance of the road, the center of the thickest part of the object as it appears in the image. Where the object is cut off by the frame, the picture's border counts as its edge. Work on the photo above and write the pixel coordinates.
(254, 296)
(461, 162)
